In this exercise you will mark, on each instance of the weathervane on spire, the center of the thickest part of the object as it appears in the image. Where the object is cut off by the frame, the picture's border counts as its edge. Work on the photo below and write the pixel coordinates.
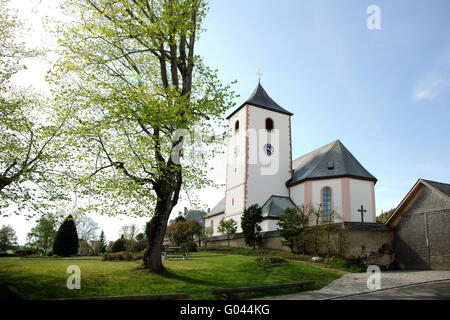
(259, 74)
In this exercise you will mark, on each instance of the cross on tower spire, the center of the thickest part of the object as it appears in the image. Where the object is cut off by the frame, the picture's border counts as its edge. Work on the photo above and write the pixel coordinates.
(259, 74)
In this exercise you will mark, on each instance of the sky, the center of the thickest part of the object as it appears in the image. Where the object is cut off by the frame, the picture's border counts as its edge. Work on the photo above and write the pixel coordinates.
(384, 93)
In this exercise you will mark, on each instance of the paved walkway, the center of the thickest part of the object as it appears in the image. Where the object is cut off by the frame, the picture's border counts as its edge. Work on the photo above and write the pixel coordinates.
(356, 283)
(437, 290)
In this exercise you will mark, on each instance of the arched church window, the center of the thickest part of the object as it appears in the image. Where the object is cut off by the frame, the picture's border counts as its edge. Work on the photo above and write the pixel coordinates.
(236, 126)
(269, 124)
(326, 203)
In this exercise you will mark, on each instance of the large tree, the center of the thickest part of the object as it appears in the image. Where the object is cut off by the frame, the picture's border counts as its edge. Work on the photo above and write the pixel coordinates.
(140, 96)
(8, 238)
(28, 129)
(129, 231)
(86, 227)
(42, 235)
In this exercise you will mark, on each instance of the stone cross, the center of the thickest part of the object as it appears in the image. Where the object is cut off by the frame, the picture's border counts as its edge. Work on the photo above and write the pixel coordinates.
(362, 210)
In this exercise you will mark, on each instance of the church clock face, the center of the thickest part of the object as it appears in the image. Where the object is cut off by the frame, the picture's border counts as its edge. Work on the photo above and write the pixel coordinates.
(268, 149)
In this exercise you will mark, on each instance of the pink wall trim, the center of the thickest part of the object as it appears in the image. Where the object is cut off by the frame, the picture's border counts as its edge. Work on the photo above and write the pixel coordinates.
(308, 193)
(374, 215)
(345, 186)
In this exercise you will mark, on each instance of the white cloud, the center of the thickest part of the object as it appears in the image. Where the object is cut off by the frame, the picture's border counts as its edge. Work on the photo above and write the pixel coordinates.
(430, 87)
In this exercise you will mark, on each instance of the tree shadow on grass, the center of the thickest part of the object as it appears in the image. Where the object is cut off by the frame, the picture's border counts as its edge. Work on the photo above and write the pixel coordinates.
(169, 274)
(8, 294)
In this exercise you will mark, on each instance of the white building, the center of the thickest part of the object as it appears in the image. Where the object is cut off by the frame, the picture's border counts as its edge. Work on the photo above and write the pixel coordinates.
(260, 170)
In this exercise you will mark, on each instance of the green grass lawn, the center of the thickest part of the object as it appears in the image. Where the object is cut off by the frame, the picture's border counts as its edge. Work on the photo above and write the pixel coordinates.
(31, 278)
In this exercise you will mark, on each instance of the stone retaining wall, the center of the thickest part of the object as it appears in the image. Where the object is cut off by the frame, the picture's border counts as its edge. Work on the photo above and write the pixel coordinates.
(371, 242)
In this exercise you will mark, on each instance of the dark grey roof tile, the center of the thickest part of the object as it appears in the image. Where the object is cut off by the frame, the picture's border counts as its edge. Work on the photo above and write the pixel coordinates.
(260, 98)
(219, 208)
(317, 165)
(275, 206)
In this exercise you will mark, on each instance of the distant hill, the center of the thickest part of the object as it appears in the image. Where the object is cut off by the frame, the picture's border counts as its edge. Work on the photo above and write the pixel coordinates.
(385, 215)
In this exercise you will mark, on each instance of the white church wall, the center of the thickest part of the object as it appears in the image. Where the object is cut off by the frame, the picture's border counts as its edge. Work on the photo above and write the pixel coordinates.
(214, 222)
(336, 195)
(269, 225)
(236, 218)
(235, 179)
(234, 201)
(261, 186)
(361, 194)
(236, 164)
(297, 193)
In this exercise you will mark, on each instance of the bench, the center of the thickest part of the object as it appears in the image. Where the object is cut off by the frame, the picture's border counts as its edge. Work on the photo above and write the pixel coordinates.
(226, 292)
(175, 250)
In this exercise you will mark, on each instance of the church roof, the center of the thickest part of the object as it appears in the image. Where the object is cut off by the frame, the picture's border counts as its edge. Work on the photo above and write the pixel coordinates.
(330, 161)
(275, 206)
(197, 215)
(219, 208)
(260, 98)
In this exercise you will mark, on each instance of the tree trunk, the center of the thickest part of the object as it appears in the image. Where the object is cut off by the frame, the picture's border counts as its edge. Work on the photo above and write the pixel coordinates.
(152, 256)
(4, 182)
(328, 242)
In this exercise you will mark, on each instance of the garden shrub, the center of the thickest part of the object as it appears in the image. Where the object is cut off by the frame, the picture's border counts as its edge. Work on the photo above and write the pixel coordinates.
(25, 252)
(182, 234)
(120, 245)
(328, 239)
(6, 255)
(122, 256)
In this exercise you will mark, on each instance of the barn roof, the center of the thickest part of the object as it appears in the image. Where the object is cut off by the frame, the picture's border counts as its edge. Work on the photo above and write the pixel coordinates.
(443, 189)
(330, 161)
(260, 98)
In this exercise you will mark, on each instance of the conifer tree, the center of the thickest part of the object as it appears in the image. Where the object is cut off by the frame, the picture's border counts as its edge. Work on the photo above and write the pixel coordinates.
(66, 240)
(250, 225)
(102, 242)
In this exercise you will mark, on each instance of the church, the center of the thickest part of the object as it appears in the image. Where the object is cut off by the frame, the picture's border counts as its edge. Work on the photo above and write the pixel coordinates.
(260, 170)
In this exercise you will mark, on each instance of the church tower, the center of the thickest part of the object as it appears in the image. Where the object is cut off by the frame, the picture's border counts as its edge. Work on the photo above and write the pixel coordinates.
(259, 157)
